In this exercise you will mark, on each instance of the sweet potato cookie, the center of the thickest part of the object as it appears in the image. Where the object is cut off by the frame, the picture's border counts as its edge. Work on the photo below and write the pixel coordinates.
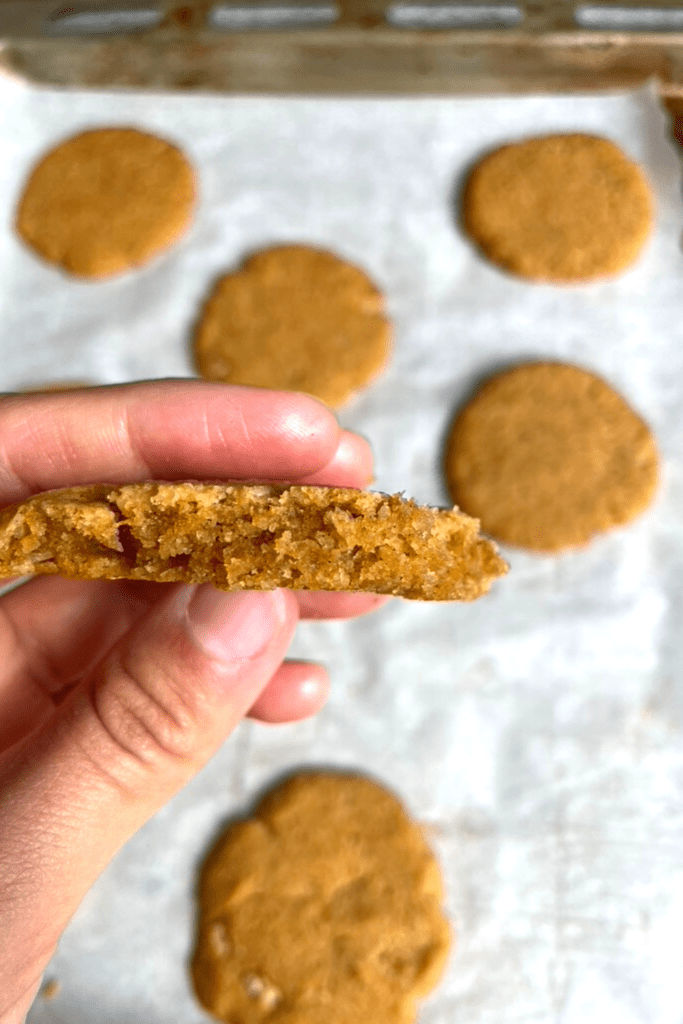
(547, 455)
(323, 908)
(295, 319)
(254, 537)
(107, 201)
(564, 208)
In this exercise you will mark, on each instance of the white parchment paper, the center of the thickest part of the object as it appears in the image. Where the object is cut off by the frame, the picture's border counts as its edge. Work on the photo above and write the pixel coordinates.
(537, 732)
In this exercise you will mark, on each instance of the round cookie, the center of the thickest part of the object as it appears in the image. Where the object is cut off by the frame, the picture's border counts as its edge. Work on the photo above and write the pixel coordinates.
(563, 208)
(295, 319)
(325, 907)
(106, 201)
(546, 455)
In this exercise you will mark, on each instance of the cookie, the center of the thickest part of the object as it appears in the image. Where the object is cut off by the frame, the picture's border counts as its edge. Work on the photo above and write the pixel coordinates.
(295, 319)
(250, 537)
(546, 455)
(563, 208)
(323, 908)
(106, 201)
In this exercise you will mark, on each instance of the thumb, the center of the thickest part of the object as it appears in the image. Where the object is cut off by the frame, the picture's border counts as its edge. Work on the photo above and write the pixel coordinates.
(119, 746)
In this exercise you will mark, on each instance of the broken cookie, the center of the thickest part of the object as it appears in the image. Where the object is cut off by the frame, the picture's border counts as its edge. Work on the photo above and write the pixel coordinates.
(250, 537)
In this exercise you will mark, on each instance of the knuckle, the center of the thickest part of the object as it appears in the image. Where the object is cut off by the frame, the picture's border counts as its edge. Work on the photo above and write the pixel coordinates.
(145, 718)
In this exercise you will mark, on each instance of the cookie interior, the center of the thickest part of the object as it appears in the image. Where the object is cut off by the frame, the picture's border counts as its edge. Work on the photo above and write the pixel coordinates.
(250, 537)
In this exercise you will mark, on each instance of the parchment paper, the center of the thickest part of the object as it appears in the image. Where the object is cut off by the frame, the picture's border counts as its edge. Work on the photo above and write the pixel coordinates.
(536, 732)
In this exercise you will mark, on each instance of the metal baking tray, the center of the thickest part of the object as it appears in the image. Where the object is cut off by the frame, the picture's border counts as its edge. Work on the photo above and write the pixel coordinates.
(373, 47)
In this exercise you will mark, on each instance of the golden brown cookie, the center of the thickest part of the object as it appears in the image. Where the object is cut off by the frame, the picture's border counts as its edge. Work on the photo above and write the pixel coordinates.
(295, 319)
(563, 208)
(250, 537)
(546, 455)
(323, 908)
(106, 201)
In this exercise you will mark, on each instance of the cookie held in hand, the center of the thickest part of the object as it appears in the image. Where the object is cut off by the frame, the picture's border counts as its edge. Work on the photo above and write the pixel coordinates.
(324, 907)
(250, 537)
(547, 455)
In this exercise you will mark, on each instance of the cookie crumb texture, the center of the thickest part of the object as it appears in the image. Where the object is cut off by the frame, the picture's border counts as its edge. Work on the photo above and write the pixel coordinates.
(295, 319)
(562, 208)
(107, 201)
(250, 537)
(547, 455)
(324, 908)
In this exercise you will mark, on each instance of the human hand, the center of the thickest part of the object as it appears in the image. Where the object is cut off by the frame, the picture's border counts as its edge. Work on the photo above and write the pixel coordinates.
(113, 695)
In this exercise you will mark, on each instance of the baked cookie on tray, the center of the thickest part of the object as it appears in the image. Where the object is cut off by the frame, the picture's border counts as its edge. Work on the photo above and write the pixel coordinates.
(107, 201)
(324, 907)
(547, 455)
(560, 208)
(295, 318)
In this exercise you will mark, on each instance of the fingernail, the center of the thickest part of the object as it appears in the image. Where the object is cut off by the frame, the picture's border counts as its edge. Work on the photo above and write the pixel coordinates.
(238, 626)
(354, 453)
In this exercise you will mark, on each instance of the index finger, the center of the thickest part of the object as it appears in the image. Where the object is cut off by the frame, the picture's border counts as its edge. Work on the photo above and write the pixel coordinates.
(163, 430)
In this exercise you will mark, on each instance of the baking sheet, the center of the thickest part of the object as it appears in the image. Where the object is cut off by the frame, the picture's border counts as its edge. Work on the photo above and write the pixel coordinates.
(537, 732)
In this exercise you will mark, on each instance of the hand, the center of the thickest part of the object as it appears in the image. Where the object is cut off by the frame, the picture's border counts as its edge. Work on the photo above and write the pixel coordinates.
(113, 695)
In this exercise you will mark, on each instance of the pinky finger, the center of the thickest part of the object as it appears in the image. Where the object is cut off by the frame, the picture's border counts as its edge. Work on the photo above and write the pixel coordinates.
(298, 690)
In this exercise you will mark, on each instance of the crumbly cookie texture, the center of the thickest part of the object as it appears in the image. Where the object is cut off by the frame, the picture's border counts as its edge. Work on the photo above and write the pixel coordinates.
(295, 318)
(560, 208)
(547, 455)
(325, 907)
(250, 536)
(107, 201)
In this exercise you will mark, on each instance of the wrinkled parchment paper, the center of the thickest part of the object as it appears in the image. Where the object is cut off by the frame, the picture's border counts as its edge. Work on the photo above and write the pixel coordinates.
(537, 732)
